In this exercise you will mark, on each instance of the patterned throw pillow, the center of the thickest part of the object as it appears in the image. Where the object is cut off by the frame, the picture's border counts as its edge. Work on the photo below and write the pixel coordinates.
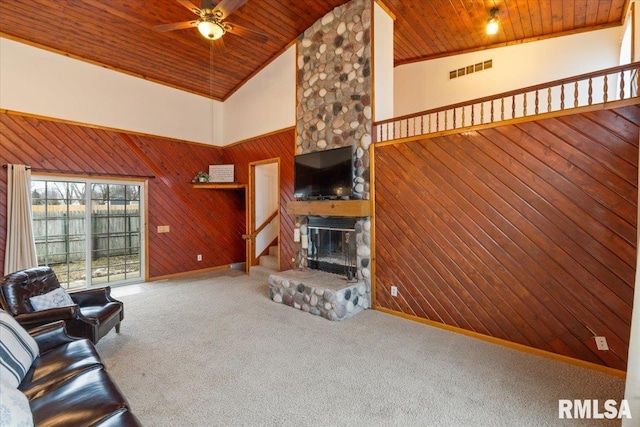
(14, 407)
(18, 350)
(56, 298)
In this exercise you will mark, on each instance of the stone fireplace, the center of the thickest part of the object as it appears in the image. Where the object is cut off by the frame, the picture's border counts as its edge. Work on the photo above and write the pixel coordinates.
(332, 277)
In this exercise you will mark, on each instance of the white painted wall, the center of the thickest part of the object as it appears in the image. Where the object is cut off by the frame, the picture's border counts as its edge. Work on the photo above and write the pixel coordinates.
(78, 91)
(40, 82)
(382, 64)
(265, 103)
(267, 201)
(425, 85)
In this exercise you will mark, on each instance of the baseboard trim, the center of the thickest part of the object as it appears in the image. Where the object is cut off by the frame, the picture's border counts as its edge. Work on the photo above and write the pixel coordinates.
(521, 347)
(188, 273)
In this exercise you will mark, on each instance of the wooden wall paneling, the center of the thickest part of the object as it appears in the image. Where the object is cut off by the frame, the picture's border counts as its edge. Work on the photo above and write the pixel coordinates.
(206, 222)
(566, 176)
(617, 204)
(448, 217)
(522, 236)
(575, 222)
(413, 271)
(421, 294)
(603, 166)
(585, 205)
(12, 145)
(77, 159)
(105, 155)
(526, 222)
(536, 184)
(209, 219)
(433, 268)
(212, 220)
(444, 213)
(553, 225)
(531, 227)
(479, 233)
(33, 134)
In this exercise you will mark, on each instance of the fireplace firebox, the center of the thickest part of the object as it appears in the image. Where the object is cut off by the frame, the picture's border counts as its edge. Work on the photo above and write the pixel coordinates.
(331, 245)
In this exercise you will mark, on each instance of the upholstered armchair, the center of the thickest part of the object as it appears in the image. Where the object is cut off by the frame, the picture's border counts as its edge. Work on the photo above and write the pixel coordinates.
(91, 313)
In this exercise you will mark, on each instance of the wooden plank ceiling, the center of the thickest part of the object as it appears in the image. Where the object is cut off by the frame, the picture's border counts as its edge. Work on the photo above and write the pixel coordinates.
(120, 34)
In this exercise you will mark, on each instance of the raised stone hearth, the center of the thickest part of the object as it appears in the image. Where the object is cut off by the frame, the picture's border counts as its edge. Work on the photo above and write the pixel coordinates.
(318, 292)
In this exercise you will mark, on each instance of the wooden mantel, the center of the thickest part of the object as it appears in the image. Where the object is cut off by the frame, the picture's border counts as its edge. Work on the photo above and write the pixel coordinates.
(354, 208)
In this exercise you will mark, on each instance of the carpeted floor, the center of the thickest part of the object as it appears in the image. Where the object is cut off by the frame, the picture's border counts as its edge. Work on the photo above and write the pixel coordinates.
(213, 350)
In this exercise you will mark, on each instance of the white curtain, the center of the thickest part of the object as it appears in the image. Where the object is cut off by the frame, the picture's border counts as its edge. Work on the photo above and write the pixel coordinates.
(20, 251)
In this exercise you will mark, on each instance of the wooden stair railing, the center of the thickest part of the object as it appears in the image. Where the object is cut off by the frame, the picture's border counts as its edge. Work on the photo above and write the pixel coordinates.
(262, 226)
(610, 85)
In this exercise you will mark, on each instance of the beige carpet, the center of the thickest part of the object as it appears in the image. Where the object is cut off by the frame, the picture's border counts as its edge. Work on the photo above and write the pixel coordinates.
(213, 350)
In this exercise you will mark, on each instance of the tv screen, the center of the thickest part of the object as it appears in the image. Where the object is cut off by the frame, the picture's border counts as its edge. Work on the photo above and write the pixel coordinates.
(326, 174)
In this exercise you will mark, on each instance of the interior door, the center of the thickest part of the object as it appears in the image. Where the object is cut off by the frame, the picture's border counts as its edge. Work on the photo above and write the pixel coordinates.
(264, 208)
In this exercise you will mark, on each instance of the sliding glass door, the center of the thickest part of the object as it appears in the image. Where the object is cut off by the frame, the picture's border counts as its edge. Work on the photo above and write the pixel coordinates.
(89, 231)
(115, 233)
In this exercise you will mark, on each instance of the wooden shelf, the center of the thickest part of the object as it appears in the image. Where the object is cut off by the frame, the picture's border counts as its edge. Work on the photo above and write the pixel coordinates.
(219, 185)
(354, 208)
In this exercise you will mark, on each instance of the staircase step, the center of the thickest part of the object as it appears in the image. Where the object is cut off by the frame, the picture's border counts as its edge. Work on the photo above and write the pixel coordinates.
(269, 261)
(273, 250)
(261, 272)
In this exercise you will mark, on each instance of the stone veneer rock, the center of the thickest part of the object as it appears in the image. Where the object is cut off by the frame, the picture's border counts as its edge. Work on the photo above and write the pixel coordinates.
(334, 95)
(316, 292)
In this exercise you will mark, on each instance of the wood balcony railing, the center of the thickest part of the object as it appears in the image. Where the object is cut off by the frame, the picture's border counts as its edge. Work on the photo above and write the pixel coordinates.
(586, 90)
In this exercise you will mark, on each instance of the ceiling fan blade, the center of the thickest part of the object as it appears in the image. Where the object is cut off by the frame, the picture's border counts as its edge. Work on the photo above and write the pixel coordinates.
(207, 4)
(175, 26)
(218, 46)
(246, 32)
(192, 7)
(227, 7)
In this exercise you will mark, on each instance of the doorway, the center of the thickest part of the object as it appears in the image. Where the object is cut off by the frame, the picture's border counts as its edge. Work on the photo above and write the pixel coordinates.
(264, 209)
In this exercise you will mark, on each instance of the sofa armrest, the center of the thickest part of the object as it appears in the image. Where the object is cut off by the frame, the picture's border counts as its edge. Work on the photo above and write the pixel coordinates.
(97, 296)
(38, 318)
(51, 335)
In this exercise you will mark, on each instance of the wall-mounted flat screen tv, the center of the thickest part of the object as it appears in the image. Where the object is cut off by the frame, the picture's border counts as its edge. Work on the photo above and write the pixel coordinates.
(326, 174)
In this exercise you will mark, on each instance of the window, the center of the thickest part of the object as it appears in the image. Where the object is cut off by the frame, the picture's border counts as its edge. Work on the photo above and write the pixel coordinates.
(85, 247)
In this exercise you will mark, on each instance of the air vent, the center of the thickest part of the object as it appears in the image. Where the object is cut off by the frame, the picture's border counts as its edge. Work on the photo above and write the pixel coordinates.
(474, 68)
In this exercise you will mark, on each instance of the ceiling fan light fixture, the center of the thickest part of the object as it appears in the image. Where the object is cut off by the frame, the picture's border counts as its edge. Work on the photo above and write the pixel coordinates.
(210, 29)
(492, 24)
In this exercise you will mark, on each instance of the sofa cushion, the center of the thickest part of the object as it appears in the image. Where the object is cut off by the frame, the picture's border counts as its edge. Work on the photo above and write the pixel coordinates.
(56, 298)
(18, 350)
(59, 365)
(14, 407)
(86, 399)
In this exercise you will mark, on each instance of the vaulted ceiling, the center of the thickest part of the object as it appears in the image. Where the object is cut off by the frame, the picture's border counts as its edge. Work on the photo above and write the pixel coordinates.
(120, 34)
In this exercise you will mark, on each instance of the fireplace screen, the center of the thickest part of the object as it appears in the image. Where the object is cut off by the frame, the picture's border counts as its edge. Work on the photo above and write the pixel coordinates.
(332, 245)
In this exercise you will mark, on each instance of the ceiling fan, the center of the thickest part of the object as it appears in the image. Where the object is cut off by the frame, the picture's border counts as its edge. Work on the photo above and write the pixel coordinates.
(210, 22)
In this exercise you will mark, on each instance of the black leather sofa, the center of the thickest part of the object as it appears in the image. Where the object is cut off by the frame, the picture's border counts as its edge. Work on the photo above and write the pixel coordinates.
(94, 314)
(68, 386)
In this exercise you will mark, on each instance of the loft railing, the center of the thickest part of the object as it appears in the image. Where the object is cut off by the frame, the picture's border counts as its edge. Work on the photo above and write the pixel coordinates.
(591, 89)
